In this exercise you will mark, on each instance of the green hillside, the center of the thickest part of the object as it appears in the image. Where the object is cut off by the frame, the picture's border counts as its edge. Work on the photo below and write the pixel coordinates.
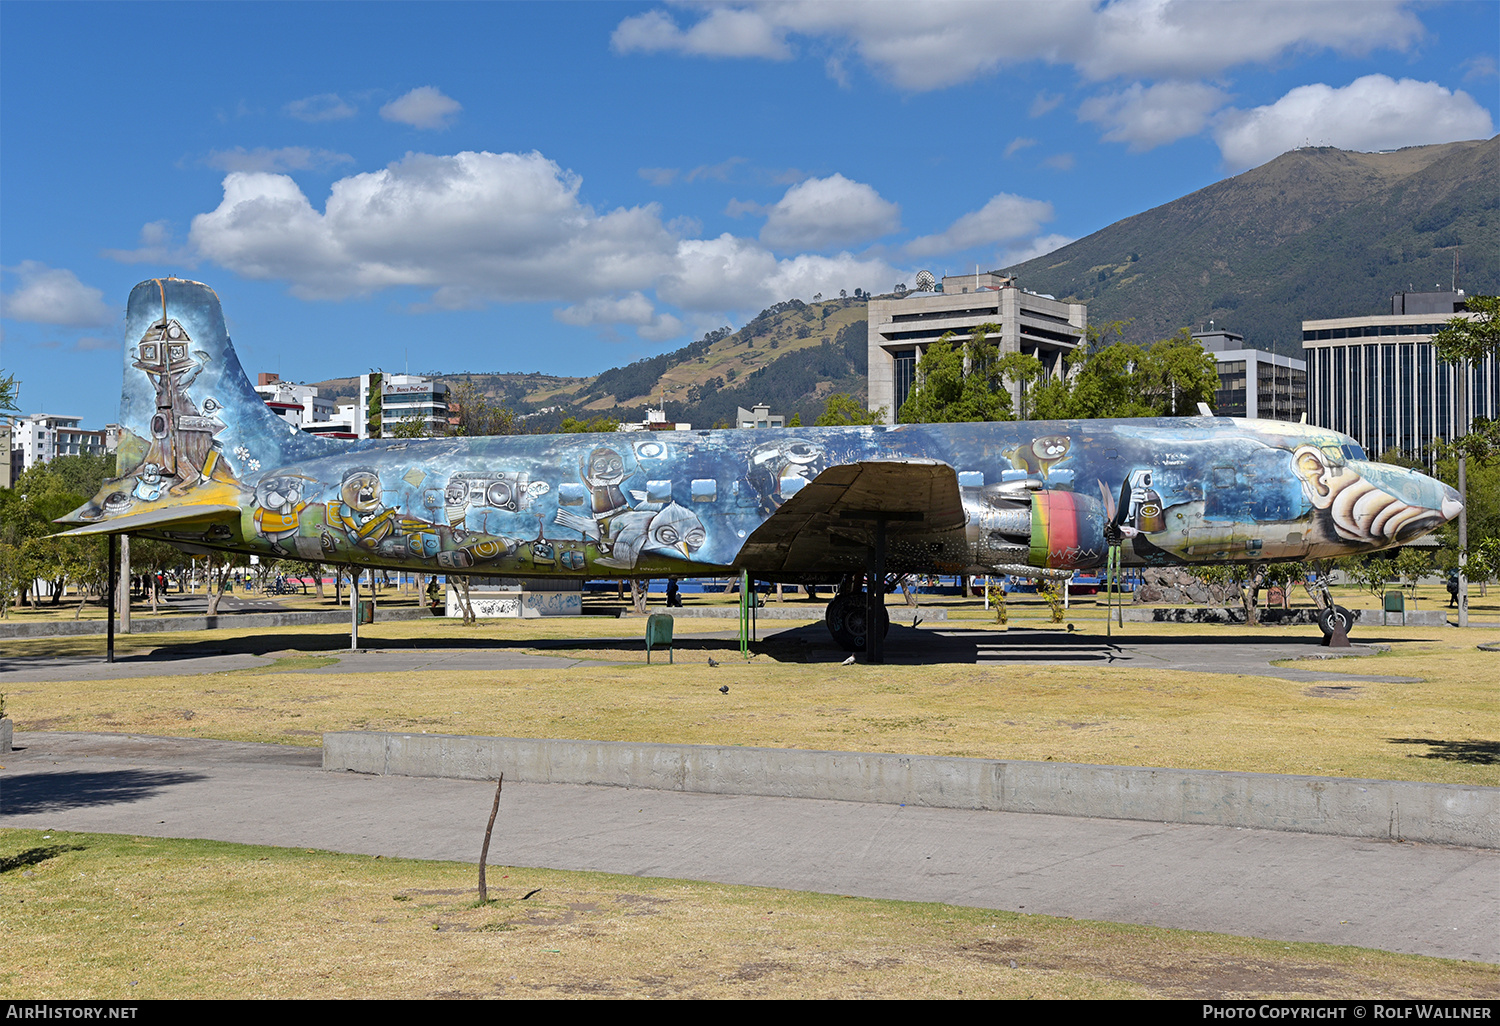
(1317, 232)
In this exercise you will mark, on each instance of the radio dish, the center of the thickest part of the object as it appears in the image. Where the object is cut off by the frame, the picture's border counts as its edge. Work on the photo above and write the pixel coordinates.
(925, 281)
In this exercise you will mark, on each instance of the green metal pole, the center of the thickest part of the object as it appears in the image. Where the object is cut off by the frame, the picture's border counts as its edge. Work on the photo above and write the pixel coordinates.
(745, 613)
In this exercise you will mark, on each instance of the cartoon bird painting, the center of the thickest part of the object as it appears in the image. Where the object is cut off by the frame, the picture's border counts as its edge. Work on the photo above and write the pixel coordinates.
(670, 530)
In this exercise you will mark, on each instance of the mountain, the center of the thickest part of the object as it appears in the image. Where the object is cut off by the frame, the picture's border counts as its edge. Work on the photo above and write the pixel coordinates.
(1317, 232)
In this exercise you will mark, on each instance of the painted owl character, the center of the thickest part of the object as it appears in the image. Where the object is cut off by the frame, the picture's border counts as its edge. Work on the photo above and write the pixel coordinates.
(672, 530)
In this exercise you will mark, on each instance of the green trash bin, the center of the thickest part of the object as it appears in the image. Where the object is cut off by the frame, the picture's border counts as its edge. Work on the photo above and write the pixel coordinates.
(366, 611)
(659, 633)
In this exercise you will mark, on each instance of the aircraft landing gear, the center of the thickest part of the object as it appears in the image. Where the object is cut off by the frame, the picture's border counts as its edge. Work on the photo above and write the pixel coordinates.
(1334, 622)
(848, 620)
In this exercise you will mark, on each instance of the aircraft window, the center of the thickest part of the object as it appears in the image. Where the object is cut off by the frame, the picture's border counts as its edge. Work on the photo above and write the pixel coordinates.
(792, 485)
(658, 491)
(705, 490)
(1335, 454)
(571, 493)
(971, 479)
(1354, 452)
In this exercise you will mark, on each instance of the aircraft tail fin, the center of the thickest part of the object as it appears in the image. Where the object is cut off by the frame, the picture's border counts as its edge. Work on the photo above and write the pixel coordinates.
(192, 429)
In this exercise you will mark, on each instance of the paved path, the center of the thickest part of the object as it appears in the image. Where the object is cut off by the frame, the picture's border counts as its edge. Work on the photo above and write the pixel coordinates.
(1423, 899)
(928, 644)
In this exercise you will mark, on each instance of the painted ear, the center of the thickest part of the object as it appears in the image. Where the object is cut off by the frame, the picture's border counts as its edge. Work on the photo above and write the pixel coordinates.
(1310, 466)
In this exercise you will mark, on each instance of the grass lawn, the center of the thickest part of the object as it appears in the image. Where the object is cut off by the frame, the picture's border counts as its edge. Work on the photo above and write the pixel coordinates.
(109, 916)
(1445, 727)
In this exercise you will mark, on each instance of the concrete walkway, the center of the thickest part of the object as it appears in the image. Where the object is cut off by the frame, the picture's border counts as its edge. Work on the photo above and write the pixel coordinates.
(1424, 899)
(926, 644)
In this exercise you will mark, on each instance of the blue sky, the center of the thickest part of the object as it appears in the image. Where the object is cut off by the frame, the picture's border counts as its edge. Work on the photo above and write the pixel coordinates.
(569, 187)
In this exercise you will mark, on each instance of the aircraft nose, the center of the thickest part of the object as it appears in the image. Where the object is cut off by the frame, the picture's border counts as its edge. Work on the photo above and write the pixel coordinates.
(1453, 503)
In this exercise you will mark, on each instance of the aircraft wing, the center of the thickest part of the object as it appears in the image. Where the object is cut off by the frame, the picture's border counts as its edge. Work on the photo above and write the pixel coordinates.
(158, 519)
(829, 524)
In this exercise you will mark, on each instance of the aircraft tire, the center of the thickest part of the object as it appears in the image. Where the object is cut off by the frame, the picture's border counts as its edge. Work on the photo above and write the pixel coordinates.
(846, 620)
(1330, 619)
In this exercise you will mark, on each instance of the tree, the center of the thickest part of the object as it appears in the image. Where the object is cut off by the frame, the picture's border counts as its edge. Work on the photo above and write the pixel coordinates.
(1466, 341)
(1116, 379)
(958, 385)
(843, 410)
(10, 392)
(601, 423)
(478, 414)
(410, 427)
(1470, 339)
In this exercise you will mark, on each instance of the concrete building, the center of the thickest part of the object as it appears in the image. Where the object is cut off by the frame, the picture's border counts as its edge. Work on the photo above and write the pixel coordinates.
(297, 404)
(403, 398)
(758, 416)
(1255, 383)
(42, 437)
(7, 457)
(1377, 378)
(656, 420)
(901, 329)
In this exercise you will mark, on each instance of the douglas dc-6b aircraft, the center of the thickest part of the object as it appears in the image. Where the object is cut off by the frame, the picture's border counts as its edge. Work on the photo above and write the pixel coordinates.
(205, 464)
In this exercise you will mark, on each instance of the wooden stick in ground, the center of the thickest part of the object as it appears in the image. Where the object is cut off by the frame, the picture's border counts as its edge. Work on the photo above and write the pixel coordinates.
(484, 853)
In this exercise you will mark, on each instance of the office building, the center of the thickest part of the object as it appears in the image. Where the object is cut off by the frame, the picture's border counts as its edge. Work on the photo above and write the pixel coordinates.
(403, 398)
(1254, 383)
(1377, 378)
(758, 416)
(901, 329)
(42, 437)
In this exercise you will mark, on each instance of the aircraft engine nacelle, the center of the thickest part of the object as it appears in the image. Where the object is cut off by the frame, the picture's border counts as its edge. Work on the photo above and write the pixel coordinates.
(1055, 529)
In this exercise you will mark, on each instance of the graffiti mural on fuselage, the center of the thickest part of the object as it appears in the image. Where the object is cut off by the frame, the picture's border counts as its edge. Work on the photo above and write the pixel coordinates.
(583, 504)
(1054, 494)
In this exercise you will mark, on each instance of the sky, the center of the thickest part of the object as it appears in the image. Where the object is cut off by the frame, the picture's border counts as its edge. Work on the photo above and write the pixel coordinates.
(567, 187)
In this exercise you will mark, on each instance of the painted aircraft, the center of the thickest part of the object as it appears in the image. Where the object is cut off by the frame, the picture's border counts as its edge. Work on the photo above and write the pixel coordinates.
(203, 463)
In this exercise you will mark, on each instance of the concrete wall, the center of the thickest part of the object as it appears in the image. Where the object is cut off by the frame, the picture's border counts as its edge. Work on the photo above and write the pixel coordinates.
(1210, 614)
(1436, 813)
(240, 621)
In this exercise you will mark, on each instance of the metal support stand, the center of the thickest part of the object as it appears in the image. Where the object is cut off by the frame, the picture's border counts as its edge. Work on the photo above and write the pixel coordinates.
(875, 598)
(747, 606)
(353, 609)
(109, 644)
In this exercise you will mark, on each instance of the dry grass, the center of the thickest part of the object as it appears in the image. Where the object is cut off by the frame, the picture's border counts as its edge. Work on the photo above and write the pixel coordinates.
(104, 916)
(1446, 728)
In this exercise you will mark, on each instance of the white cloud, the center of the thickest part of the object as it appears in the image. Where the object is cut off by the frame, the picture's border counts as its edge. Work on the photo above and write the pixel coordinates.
(1045, 103)
(1375, 112)
(659, 176)
(155, 247)
(54, 295)
(723, 32)
(730, 273)
(1060, 161)
(287, 158)
(1004, 217)
(423, 107)
(477, 227)
(941, 44)
(1039, 246)
(826, 212)
(322, 107)
(1018, 144)
(1146, 117)
(633, 309)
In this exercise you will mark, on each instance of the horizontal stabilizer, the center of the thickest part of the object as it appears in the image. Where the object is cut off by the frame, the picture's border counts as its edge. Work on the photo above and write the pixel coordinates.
(156, 519)
(824, 525)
